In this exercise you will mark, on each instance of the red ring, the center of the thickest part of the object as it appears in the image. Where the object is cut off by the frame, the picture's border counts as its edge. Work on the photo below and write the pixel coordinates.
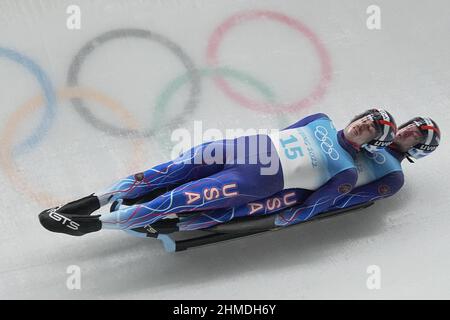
(325, 62)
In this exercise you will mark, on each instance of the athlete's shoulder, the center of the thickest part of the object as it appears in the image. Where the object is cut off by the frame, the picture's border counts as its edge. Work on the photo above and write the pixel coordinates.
(317, 116)
(390, 183)
(307, 120)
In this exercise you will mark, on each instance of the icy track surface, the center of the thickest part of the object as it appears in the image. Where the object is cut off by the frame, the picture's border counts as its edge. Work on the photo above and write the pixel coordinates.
(282, 60)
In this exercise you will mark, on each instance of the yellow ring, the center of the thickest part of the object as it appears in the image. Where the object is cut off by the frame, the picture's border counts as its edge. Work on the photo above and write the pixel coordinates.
(6, 139)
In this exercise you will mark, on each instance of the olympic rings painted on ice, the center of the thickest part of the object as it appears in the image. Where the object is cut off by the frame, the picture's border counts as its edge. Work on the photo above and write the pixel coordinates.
(192, 75)
(7, 161)
(192, 72)
(88, 48)
(325, 63)
(47, 90)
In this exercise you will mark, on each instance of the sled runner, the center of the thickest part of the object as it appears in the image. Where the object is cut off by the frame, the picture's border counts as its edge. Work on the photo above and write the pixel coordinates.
(239, 228)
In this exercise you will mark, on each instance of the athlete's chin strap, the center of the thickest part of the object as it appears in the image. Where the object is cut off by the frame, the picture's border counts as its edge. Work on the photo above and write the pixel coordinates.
(395, 148)
(409, 158)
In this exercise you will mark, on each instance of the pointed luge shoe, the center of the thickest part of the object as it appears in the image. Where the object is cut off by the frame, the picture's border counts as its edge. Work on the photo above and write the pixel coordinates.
(73, 218)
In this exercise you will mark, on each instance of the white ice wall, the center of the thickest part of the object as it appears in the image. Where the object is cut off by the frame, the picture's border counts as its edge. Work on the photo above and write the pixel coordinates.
(403, 67)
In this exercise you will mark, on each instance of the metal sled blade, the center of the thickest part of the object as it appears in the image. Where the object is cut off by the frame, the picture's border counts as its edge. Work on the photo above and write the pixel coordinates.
(242, 227)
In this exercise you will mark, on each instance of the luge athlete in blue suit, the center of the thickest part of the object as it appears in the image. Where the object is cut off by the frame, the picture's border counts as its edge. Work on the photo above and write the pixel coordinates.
(380, 176)
(309, 163)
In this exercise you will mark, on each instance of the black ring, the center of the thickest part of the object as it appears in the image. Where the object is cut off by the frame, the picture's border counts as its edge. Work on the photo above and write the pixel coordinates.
(88, 48)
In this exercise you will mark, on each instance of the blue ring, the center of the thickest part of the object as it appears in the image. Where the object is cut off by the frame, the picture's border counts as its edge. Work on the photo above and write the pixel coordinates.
(49, 94)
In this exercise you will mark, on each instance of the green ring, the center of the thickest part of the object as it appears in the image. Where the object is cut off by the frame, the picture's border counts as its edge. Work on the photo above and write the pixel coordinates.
(174, 85)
